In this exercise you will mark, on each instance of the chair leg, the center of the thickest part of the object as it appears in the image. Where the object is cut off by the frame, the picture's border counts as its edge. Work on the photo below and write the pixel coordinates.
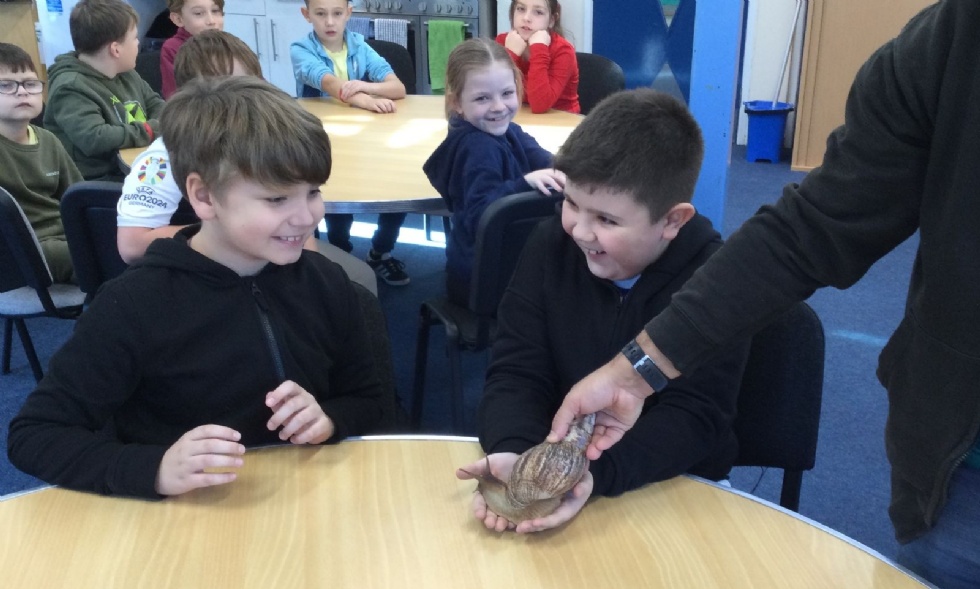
(8, 328)
(421, 358)
(25, 339)
(789, 497)
(427, 226)
(456, 377)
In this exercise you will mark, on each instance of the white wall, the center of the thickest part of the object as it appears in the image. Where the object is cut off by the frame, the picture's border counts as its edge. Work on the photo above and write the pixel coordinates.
(768, 25)
(56, 38)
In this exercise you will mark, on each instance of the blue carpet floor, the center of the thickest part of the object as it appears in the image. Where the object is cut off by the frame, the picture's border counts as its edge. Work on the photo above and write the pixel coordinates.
(848, 489)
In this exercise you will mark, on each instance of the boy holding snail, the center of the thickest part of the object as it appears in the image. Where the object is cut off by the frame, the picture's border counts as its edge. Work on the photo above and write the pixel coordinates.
(627, 239)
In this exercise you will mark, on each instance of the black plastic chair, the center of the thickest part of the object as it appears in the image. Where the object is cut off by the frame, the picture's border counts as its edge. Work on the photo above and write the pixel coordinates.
(394, 418)
(161, 29)
(598, 77)
(504, 228)
(148, 67)
(26, 287)
(88, 212)
(399, 59)
(779, 400)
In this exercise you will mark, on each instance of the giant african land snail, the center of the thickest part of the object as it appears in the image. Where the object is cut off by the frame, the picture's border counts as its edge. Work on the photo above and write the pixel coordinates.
(541, 476)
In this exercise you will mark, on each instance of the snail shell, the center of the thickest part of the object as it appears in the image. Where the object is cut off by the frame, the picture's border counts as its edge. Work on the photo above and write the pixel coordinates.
(541, 476)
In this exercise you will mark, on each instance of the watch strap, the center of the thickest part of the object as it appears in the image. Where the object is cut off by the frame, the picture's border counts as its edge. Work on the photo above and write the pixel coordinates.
(645, 366)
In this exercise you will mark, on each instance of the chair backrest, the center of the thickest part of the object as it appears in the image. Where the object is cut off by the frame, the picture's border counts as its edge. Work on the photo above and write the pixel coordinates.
(598, 77)
(500, 237)
(148, 67)
(394, 418)
(779, 400)
(21, 260)
(88, 212)
(399, 59)
(161, 29)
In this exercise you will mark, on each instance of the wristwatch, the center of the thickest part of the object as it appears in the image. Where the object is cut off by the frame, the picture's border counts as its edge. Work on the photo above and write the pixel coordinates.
(643, 364)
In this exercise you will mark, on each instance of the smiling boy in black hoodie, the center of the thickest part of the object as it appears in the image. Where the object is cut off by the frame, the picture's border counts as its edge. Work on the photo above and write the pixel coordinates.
(627, 239)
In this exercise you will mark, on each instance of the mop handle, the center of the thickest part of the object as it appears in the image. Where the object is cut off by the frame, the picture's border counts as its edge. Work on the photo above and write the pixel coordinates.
(789, 44)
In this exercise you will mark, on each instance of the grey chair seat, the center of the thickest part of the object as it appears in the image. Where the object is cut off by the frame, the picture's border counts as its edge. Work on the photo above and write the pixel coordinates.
(25, 302)
(26, 287)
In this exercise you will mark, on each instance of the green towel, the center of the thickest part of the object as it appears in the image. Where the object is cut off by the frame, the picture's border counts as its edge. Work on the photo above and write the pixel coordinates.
(443, 36)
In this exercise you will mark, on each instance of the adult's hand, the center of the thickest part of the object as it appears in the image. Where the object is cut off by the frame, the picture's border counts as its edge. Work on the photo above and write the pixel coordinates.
(615, 393)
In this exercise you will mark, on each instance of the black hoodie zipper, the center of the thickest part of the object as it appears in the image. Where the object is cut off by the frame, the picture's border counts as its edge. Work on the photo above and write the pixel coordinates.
(270, 337)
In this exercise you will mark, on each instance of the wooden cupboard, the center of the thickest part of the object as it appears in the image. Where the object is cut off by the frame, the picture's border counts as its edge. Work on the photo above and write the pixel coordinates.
(840, 36)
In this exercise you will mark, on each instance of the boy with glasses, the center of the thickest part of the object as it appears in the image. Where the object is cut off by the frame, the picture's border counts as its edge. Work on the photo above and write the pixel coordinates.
(34, 167)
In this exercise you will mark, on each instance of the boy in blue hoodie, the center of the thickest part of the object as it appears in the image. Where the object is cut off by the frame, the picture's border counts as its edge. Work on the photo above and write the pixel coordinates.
(332, 61)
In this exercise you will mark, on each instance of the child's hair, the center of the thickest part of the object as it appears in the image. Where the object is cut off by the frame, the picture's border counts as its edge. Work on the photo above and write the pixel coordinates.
(178, 5)
(242, 126)
(213, 53)
(348, 2)
(554, 8)
(473, 54)
(96, 23)
(14, 59)
(641, 142)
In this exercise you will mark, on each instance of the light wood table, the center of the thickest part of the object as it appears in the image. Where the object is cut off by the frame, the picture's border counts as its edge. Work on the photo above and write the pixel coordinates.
(388, 512)
(377, 158)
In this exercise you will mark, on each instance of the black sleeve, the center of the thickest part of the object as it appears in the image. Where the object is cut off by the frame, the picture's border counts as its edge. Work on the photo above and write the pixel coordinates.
(861, 203)
(58, 434)
(521, 393)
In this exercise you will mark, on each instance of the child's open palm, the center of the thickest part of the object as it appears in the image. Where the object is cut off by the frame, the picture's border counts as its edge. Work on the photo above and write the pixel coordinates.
(299, 415)
(188, 464)
(373, 103)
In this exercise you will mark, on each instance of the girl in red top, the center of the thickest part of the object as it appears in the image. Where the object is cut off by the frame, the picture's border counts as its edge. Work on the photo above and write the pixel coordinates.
(543, 55)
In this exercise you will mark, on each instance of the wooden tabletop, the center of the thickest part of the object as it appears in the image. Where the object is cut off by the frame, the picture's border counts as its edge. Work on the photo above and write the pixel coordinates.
(390, 513)
(377, 158)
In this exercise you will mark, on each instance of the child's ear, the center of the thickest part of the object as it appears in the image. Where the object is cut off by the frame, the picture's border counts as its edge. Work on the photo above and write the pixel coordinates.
(306, 13)
(177, 19)
(454, 106)
(677, 217)
(200, 196)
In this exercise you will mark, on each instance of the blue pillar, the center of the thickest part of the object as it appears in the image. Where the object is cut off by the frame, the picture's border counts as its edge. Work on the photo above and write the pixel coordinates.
(714, 73)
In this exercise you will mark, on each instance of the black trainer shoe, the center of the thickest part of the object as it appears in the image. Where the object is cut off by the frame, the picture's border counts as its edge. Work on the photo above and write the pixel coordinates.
(389, 269)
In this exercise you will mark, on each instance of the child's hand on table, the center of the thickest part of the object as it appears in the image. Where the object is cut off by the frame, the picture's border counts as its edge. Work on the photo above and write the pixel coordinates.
(186, 465)
(372, 103)
(352, 87)
(300, 416)
(501, 465)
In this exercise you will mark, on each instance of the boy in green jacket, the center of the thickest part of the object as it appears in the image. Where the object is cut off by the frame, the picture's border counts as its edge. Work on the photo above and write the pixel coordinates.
(97, 103)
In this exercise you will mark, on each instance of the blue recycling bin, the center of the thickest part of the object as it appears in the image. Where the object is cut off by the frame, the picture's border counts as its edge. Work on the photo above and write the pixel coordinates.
(767, 120)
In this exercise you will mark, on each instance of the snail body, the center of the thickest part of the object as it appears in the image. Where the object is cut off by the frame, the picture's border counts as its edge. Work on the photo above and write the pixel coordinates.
(541, 476)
